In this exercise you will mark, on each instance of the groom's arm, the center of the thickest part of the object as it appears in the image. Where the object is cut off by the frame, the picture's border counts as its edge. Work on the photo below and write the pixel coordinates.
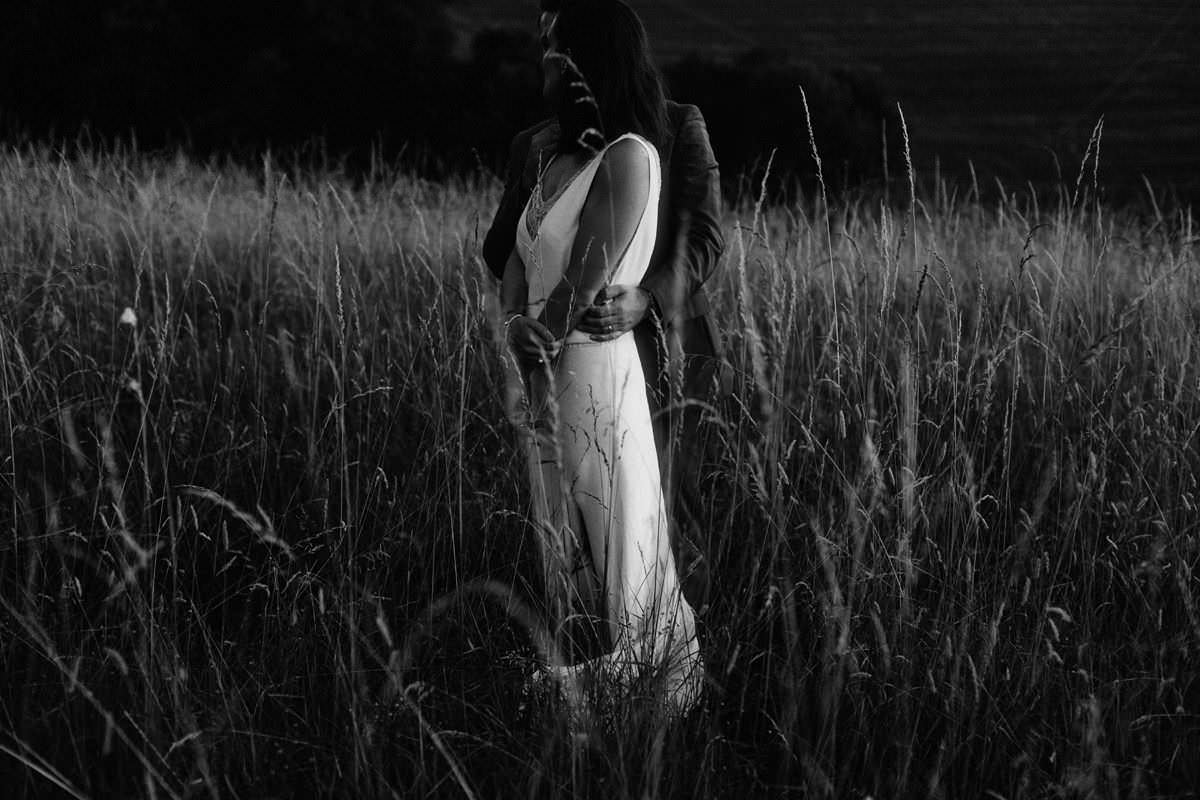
(694, 250)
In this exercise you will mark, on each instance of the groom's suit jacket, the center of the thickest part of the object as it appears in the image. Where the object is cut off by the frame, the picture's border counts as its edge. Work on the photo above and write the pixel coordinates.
(686, 254)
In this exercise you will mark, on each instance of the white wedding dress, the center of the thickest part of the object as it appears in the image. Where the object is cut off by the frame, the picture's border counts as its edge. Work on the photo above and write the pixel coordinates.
(597, 494)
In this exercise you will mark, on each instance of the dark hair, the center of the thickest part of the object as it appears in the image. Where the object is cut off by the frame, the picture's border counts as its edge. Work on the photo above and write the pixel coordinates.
(607, 43)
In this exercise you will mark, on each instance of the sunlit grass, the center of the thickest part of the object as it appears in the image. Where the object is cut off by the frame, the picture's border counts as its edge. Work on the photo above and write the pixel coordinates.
(268, 528)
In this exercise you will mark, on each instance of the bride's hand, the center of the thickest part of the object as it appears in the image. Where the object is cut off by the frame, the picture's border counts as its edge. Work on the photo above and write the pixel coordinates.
(530, 340)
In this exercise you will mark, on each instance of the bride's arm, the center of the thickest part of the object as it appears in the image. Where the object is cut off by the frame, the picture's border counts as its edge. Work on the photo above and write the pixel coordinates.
(609, 219)
(525, 335)
(513, 288)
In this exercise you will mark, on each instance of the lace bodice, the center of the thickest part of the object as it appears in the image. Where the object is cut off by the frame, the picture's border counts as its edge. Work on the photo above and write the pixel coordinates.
(538, 207)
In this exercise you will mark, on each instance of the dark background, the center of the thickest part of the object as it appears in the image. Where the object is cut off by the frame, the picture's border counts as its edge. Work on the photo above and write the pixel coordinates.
(1012, 88)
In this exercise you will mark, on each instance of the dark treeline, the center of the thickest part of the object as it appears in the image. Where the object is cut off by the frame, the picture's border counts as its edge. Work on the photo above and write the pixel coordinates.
(362, 78)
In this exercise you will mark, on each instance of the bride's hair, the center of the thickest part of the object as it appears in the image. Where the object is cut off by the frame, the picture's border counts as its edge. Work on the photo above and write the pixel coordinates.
(606, 42)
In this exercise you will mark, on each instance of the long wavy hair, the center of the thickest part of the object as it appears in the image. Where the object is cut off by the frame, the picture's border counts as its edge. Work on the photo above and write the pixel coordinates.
(607, 44)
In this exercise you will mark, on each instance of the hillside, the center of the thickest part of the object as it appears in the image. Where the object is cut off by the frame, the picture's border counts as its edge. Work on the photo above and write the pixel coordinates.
(1002, 82)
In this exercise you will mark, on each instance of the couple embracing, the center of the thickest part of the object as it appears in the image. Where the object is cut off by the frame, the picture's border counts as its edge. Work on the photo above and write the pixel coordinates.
(604, 238)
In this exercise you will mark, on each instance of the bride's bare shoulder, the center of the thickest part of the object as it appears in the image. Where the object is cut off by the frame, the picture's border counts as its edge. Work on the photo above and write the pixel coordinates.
(630, 155)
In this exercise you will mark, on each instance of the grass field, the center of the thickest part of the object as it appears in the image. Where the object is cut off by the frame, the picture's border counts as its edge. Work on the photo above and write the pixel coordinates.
(265, 526)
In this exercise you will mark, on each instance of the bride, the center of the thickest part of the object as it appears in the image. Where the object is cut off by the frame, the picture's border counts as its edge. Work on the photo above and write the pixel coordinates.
(597, 497)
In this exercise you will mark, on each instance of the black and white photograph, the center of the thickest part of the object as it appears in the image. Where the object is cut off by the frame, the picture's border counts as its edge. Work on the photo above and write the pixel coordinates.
(648, 399)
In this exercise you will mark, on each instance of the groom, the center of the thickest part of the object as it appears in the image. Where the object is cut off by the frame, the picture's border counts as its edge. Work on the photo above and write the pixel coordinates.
(668, 312)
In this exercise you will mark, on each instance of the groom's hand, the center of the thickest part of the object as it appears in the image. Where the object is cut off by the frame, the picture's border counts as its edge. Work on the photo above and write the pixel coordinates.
(616, 310)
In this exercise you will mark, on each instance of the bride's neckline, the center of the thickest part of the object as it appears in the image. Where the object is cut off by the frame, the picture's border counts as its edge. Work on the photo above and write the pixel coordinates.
(541, 185)
(539, 205)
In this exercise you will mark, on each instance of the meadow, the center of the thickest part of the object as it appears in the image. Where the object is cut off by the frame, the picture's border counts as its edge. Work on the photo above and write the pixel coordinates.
(265, 522)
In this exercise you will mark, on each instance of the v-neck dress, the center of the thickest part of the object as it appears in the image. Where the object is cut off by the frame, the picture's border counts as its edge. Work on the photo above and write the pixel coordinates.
(597, 494)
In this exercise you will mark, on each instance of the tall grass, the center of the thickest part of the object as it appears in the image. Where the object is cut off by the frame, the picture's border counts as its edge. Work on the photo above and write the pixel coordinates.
(269, 531)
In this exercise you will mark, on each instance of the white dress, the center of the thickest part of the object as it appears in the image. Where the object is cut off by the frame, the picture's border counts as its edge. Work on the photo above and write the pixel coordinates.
(597, 493)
